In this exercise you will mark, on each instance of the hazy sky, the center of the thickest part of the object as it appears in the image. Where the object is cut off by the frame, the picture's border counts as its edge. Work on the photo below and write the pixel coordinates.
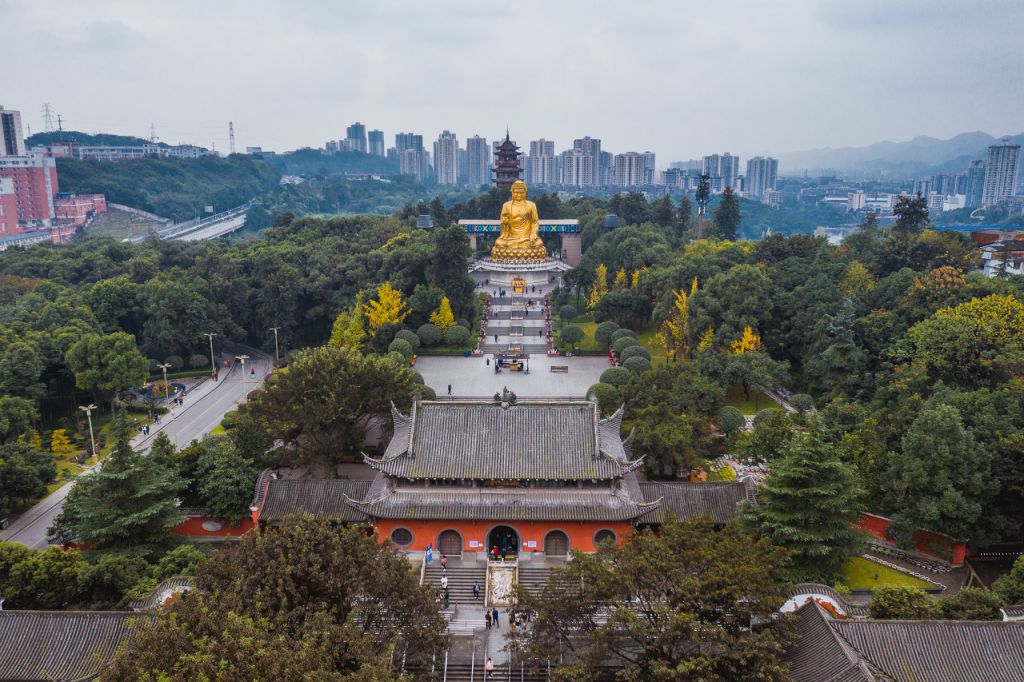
(676, 77)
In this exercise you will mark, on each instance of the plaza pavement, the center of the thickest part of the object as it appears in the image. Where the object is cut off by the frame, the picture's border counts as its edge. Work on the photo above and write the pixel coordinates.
(473, 377)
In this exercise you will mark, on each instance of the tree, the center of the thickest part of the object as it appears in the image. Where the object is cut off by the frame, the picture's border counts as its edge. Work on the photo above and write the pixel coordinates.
(571, 335)
(731, 300)
(429, 334)
(1010, 587)
(388, 308)
(457, 335)
(857, 281)
(349, 329)
(567, 314)
(663, 212)
(603, 332)
(911, 215)
(60, 444)
(748, 343)
(973, 343)
(402, 347)
(600, 286)
(16, 417)
(305, 602)
(52, 579)
(753, 369)
(727, 216)
(665, 606)
(730, 420)
(903, 603)
(606, 396)
(940, 478)
(107, 364)
(809, 504)
(674, 332)
(772, 431)
(625, 307)
(323, 401)
(621, 279)
(972, 603)
(127, 502)
(226, 480)
(442, 318)
(24, 473)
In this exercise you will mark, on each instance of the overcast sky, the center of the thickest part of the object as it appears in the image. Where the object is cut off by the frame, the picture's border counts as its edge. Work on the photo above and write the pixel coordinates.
(679, 78)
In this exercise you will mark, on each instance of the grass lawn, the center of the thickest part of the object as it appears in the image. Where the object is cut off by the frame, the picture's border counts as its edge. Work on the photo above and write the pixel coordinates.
(648, 338)
(748, 406)
(860, 574)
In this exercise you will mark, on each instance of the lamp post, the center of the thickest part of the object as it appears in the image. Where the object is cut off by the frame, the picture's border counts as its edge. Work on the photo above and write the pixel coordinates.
(92, 438)
(274, 329)
(242, 359)
(213, 363)
(167, 386)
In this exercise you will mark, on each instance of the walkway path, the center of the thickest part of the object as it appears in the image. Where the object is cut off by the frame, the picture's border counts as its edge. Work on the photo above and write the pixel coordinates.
(474, 377)
(204, 408)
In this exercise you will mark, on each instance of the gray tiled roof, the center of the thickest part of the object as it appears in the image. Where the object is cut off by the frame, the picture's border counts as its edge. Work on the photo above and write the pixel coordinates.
(156, 596)
(529, 504)
(1015, 612)
(484, 441)
(820, 655)
(323, 498)
(720, 501)
(939, 651)
(61, 645)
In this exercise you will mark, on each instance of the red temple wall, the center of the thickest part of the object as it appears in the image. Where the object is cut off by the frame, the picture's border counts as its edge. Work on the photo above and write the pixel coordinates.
(925, 542)
(581, 533)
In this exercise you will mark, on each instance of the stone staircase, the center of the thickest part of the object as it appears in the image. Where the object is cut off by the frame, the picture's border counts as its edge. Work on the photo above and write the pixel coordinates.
(460, 580)
(533, 578)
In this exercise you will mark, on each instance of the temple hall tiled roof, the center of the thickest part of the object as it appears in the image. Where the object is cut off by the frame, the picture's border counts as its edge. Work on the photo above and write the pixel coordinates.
(159, 595)
(830, 650)
(720, 501)
(322, 498)
(442, 440)
(528, 504)
(61, 645)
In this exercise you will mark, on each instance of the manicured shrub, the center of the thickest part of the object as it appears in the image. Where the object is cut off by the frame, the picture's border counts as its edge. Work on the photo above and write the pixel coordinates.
(606, 395)
(175, 362)
(764, 414)
(616, 376)
(567, 313)
(417, 378)
(730, 420)
(198, 361)
(409, 336)
(402, 347)
(426, 393)
(634, 352)
(622, 343)
(571, 334)
(604, 331)
(457, 336)
(430, 335)
(463, 322)
(619, 333)
(637, 364)
(802, 402)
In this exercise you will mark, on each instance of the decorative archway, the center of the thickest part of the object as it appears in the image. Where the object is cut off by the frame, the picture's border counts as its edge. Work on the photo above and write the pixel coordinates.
(556, 543)
(449, 542)
(505, 538)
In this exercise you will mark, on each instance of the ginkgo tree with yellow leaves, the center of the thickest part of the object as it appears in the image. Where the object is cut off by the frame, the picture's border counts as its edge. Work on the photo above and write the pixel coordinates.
(388, 308)
(600, 286)
(748, 343)
(674, 332)
(443, 318)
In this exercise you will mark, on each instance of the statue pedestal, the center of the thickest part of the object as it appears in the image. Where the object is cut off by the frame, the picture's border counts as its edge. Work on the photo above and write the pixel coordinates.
(490, 275)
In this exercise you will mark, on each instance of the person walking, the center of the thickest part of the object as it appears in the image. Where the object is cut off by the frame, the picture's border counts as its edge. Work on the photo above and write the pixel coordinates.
(449, 389)
(476, 590)
(489, 667)
(444, 582)
(487, 619)
(444, 558)
(494, 617)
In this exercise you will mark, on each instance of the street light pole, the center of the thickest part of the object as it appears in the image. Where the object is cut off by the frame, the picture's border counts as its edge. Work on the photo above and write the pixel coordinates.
(242, 359)
(92, 438)
(274, 329)
(213, 363)
(167, 386)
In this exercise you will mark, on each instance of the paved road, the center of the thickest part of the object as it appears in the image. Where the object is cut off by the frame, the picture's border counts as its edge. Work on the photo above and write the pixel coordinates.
(204, 407)
(216, 230)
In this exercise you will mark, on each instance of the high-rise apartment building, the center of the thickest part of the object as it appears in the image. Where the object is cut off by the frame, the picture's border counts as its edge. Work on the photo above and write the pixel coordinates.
(12, 143)
(630, 169)
(478, 161)
(542, 147)
(1000, 172)
(35, 184)
(406, 141)
(415, 162)
(446, 159)
(8, 208)
(356, 134)
(975, 184)
(541, 164)
(762, 174)
(591, 146)
(722, 170)
(375, 139)
(649, 158)
(577, 168)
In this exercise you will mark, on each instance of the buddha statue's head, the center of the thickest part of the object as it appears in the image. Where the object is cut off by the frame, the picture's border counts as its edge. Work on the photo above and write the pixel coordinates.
(518, 190)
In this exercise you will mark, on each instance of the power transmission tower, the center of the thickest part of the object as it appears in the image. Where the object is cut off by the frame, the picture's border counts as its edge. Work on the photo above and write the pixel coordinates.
(231, 136)
(152, 133)
(48, 117)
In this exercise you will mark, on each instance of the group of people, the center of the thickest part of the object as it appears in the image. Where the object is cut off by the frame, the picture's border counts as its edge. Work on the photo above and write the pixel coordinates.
(503, 553)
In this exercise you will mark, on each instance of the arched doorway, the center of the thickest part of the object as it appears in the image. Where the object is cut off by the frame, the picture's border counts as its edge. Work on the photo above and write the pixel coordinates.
(556, 543)
(449, 542)
(505, 538)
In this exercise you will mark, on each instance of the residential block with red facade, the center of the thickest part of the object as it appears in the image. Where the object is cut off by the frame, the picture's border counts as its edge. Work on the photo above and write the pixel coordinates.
(8, 208)
(35, 184)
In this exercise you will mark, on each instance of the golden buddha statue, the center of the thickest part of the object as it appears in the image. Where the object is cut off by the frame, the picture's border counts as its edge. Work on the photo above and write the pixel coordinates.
(519, 241)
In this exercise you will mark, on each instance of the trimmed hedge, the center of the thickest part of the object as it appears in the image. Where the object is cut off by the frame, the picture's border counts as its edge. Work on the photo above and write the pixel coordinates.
(619, 333)
(430, 335)
(402, 347)
(175, 362)
(802, 402)
(606, 395)
(457, 336)
(634, 352)
(567, 313)
(409, 336)
(637, 364)
(616, 376)
(197, 361)
(764, 414)
(730, 420)
(622, 343)
(604, 331)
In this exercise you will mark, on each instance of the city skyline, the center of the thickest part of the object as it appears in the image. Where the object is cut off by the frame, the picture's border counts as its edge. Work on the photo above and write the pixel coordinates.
(280, 84)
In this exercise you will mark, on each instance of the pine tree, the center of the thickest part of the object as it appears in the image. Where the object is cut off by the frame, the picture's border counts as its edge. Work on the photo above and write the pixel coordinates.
(727, 215)
(348, 330)
(808, 504)
(443, 318)
(60, 444)
(388, 308)
(130, 501)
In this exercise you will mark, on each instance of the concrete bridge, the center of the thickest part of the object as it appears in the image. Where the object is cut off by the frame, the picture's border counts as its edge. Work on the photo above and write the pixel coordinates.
(567, 230)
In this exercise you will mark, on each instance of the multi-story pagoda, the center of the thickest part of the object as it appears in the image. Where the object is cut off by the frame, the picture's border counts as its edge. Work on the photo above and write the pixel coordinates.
(506, 164)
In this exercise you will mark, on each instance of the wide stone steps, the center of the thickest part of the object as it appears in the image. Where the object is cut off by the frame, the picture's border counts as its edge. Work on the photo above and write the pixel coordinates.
(533, 348)
(460, 582)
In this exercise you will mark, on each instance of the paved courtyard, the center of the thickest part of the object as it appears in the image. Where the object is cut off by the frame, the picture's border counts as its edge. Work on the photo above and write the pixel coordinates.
(474, 377)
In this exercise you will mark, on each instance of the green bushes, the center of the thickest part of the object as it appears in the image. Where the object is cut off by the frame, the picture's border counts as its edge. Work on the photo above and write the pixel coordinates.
(457, 335)
(604, 331)
(175, 362)
(620, 333)
(622, 343)
(730, 420)
(571, 335)
(402, 347)
(567, 313)
(606, 395)
(616, 376)
(637, 364)
(802, 402)
(409, 336)
(429, 334)
(634, 352)
(198, 361)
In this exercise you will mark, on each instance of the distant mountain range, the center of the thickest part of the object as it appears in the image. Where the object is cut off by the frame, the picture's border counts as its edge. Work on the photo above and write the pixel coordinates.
(920, 156)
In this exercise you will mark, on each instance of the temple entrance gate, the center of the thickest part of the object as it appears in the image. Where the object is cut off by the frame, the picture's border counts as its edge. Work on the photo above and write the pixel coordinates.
(556, 543)
(505, 538)
(449, 542)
